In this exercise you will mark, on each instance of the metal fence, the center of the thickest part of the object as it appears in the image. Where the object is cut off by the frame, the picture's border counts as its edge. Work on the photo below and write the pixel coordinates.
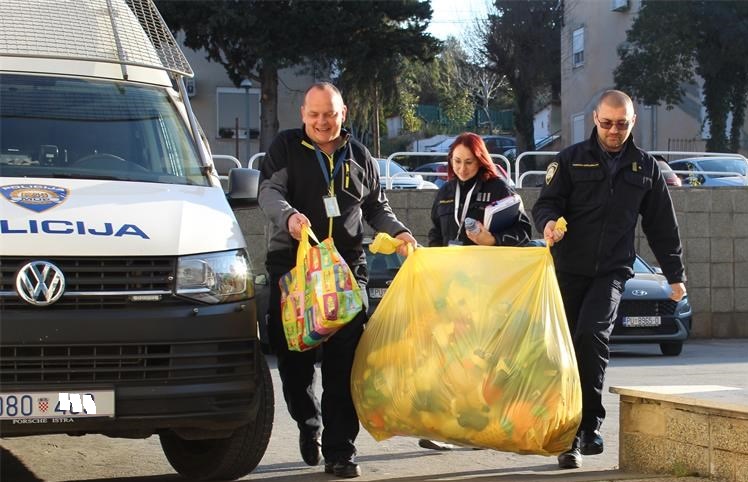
(533, 177)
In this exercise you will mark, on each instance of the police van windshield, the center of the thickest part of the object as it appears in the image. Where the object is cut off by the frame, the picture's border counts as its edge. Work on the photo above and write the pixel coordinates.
(64, 127)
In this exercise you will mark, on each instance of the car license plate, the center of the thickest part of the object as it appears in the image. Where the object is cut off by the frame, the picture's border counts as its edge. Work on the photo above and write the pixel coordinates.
(23, 405)
(640, 321)
(377, 292)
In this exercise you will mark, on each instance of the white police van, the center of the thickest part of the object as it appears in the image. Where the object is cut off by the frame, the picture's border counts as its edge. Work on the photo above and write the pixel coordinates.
(126, 293)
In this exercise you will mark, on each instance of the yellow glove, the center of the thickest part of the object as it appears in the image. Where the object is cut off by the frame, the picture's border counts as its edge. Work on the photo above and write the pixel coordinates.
(384, 243)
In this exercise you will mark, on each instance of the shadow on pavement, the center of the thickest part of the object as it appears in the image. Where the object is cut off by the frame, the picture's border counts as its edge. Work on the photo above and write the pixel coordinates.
(12, 469)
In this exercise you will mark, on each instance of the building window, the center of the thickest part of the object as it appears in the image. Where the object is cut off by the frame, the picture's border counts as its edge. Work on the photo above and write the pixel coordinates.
(577, 47)
(231, 108)
(619, 5)
(578, 132)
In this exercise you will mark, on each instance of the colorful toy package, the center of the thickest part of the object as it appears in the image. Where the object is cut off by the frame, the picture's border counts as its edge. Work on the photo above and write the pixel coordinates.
(319, 295)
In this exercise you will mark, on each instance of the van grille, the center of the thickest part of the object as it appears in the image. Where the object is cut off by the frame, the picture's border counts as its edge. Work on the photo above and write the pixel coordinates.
(165, 362)
(94, 283)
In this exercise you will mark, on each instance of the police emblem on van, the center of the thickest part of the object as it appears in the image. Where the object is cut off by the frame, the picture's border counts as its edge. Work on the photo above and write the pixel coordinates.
(40, 283)
(36, 197)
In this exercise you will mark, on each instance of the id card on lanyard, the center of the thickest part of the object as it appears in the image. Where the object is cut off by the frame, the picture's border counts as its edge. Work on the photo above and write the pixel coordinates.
(332, 209)
(460, 217)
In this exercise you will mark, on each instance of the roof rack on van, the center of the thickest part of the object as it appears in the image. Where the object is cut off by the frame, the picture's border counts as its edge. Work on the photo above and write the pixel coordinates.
(125, 32)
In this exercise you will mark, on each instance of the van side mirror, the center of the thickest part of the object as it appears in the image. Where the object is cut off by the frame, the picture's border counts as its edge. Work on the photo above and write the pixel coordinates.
(244, 184)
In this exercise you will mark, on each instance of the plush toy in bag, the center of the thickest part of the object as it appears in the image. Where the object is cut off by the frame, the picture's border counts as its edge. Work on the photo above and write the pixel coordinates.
(319, 295)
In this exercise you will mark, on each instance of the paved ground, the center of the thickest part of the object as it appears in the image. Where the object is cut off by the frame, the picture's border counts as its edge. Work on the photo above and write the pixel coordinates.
(60, 458)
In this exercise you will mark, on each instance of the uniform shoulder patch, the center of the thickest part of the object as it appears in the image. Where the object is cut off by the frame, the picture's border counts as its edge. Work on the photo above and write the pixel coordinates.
(550, 172)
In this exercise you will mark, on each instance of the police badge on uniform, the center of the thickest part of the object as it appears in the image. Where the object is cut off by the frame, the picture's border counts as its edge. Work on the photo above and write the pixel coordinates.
(550, 172)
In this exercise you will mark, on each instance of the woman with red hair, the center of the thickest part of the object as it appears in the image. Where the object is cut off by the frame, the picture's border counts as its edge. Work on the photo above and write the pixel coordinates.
(473, 182)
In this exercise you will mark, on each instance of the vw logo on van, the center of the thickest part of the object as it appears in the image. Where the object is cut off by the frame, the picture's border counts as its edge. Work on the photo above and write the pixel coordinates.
(40, 283)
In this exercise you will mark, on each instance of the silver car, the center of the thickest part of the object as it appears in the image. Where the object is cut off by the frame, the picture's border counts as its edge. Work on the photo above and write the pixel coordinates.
(708, 171)
(394, 176)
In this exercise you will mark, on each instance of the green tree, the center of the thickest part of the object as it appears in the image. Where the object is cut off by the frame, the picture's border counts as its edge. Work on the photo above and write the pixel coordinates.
(472, 75)
(255, 39)
(523, 45)
(669, 42)
(455, 97)
(378, 40)
(251, 39)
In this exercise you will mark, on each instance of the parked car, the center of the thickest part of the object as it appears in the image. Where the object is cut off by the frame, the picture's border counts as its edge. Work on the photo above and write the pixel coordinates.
(671, 178)
(382, 270)
(442, 167)
(495, 144)
(646, 314)
(441, 146)
(400, 178)
(499, 144)
(700, 171)
(434, 167)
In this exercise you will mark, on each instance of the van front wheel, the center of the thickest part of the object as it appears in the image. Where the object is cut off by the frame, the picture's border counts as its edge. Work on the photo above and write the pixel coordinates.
(227, 458)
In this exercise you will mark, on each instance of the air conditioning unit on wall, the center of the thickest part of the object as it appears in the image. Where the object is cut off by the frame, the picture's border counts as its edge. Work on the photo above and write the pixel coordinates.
(189, 84)
(619, 5)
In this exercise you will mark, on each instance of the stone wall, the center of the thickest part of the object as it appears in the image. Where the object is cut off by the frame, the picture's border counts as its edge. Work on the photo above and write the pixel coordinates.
(682, 430)
(714, 230)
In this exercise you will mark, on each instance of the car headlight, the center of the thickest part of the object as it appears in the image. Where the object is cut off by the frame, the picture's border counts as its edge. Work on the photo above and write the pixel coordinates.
(682, 307)
(215, 277)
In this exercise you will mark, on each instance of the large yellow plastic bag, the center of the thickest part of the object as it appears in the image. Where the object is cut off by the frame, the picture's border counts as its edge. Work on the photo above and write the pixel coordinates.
(319, 295)
(470, 346)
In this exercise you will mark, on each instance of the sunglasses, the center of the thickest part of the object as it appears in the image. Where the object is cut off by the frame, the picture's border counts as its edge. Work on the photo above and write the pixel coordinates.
(621, 125)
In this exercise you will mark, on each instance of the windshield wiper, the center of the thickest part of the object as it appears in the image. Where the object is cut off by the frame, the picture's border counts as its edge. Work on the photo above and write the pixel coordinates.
(67, 175)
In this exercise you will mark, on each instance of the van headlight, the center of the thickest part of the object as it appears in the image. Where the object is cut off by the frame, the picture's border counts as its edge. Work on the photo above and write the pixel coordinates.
(215, 277)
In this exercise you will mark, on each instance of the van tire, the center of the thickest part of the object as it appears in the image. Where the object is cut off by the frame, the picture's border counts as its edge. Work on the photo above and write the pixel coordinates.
(671, 348)
(229, 458)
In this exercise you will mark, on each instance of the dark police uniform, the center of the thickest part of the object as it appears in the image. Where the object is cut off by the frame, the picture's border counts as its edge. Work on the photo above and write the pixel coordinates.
(601, 197)
(291, 180)
(444, 226)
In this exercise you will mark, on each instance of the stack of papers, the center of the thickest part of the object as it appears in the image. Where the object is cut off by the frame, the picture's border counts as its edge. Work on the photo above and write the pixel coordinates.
(501, 214)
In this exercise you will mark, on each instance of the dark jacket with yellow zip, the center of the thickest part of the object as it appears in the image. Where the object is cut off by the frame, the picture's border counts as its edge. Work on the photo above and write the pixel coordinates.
(291, 180)
(602, 203)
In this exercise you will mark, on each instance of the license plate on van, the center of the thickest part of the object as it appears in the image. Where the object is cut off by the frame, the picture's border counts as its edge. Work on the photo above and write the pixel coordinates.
(24, 405)
(641, 321)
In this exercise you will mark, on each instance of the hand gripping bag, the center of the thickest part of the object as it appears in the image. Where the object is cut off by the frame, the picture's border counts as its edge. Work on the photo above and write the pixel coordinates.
(319, 295)
(470, 345)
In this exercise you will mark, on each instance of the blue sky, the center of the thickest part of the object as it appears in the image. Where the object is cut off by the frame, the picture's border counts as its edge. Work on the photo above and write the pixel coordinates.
(452, 17)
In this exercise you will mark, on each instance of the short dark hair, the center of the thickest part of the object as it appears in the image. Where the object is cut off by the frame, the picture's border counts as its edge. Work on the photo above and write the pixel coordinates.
(614, 98)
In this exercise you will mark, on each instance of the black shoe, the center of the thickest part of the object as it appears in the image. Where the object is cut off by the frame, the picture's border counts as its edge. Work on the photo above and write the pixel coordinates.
(346, 469)
(571, 459)
(310, 448)
(591, 442)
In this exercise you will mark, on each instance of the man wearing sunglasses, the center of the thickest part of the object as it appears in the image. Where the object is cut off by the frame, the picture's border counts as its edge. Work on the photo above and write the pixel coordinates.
(601, 186)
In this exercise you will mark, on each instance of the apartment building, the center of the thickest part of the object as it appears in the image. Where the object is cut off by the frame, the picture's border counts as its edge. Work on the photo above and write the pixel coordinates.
(221, 107)
(592, 32)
